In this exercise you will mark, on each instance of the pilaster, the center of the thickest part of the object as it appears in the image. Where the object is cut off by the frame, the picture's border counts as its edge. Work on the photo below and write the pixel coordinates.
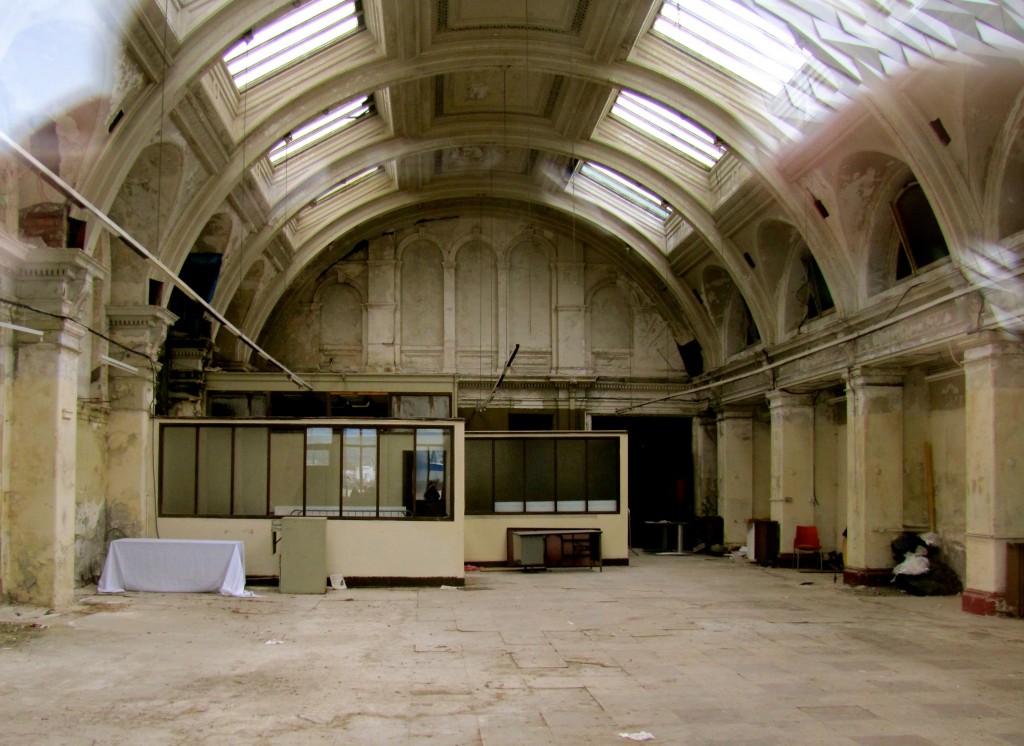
(735, 472)
(130, 498)
(994, 378)
(792, 464)
(39, 526)
(705, 464)
(874, 463)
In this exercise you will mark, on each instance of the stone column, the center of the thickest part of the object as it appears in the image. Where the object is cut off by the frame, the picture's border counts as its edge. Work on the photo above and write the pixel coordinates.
(131, 483)
(381, 305)
(39, 566)
(792, 490)
(874, 469)
(735, 472)
(994, 377)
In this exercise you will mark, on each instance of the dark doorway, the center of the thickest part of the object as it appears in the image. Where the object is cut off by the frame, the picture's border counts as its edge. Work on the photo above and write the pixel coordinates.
(660, 470)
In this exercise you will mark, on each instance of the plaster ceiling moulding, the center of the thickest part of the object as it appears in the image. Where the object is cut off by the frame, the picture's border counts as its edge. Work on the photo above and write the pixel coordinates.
(558, 16)
(483, 159)
(495, 92)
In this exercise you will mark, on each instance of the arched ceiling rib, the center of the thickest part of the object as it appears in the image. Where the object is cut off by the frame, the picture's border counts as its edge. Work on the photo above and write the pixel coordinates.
(433, 65)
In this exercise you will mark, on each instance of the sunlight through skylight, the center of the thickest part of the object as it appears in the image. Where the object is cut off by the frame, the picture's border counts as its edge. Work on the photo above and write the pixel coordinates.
(669, 128)
(288, 39)
(320, 128)
(733, 38)
(346, 183)
(623, 187)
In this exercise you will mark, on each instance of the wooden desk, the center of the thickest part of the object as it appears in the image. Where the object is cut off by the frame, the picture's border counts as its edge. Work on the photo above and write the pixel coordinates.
(574, 545)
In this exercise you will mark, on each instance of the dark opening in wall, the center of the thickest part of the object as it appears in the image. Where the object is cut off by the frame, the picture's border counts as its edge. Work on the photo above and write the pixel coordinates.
(818, 297)
(200, 272)
(520, 421)
(693, 358)
(156, 292)
(921, 241)
(76, 233)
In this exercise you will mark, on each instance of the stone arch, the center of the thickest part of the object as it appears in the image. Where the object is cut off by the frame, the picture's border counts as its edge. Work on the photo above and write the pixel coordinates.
(718, 289)
(216, 235)
(1011, 189)
(868, 181)
(143, 207)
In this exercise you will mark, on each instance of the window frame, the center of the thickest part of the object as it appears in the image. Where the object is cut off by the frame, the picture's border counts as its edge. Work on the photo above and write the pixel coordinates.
(190, 484)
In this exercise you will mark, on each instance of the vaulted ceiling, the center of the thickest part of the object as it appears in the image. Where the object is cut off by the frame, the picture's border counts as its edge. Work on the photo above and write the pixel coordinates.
(464, 106)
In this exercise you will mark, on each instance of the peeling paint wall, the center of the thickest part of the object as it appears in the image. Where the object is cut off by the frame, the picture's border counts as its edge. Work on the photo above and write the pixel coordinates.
(90, 496)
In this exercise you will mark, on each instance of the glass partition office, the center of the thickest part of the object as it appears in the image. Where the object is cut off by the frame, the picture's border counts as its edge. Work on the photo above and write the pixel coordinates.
(335, 470)
(542, 474)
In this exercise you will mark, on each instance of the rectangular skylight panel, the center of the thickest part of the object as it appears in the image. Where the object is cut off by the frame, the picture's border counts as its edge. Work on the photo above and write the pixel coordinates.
(345, 184)
(671, 129)
(733, 38)
(626, 189)
(290, 38)
(320, 128)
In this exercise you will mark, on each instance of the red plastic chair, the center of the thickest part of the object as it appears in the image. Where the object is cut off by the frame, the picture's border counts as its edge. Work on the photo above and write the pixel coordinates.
(806, 542)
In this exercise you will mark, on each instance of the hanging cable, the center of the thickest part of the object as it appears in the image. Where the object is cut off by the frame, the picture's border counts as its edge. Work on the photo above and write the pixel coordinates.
(68, 191)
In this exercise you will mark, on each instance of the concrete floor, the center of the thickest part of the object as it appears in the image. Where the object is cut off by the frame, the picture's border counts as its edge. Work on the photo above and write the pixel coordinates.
(690, 649)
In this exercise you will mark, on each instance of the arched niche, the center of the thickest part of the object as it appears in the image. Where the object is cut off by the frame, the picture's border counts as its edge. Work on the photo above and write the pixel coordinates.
(476, 307)
(610, 316)
(803, 291)
(342, 324)
(530, 302)
(867, 183)
(421, 304)
(739, 329)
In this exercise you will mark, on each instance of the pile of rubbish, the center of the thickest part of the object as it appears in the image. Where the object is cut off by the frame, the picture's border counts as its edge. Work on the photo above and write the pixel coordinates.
(919, 570)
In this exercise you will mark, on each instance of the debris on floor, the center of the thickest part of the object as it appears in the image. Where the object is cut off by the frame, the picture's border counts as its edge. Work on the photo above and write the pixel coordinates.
(919, 568)
(639, 736)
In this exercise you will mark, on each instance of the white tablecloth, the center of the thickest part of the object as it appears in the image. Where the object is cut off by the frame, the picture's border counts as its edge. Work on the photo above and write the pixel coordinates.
(175, 565)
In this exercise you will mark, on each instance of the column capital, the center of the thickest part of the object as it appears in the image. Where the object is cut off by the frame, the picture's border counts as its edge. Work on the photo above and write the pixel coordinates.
(734, 412)
(991, 344)
(58, 280)
(861, 377)
(143, 328)
(779, 399)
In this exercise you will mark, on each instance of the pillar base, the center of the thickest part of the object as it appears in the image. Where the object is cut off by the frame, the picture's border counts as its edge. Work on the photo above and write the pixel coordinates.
(875, 577)
(984, 603)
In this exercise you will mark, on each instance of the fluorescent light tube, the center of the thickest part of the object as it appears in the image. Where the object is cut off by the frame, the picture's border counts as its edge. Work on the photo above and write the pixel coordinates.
(119, 364)
(17, 328)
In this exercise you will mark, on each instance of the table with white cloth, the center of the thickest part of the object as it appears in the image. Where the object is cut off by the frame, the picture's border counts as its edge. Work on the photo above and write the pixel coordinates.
(175, 566)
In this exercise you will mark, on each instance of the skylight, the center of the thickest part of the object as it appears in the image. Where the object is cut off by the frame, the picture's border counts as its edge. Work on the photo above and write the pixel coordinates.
(291, 37)
(649, 202)
(669, 128)
(346, 183)
(735, 39)
(320, 128)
